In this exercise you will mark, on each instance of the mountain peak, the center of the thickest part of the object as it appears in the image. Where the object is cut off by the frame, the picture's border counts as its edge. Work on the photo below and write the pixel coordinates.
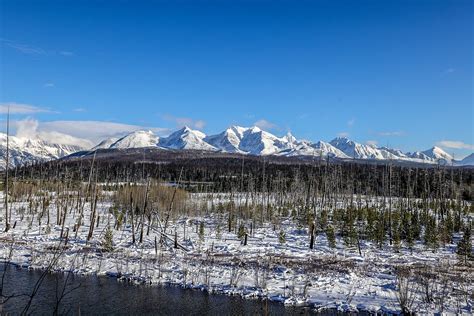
(290, 138)
(437, 153)
(235, 139)
(255, 129)
(136, 139)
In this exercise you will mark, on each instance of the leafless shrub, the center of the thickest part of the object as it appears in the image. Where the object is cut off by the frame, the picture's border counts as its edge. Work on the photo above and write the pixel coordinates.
(261, 276)
(405, 291)
(426, 278)
(235, 275)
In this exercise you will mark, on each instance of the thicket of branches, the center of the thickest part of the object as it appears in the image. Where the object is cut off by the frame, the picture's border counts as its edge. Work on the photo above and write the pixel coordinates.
(262, 174)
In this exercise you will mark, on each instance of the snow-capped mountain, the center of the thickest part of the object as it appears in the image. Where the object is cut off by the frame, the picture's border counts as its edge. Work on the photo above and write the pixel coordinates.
(136, 139)
(251, 140)
(318, 149)
(258, 142)
(390, 153)
(229, 140)
(24, 150)
(235, 139)
(467, 161)
(356, 150)
(432, 155)
(186, 138)
(105, 144)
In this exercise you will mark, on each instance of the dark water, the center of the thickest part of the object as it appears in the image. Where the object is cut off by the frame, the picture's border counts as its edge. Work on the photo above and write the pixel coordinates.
(107, 296)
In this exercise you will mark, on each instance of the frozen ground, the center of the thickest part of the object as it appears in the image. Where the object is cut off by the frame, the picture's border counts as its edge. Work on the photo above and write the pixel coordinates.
(218, 262)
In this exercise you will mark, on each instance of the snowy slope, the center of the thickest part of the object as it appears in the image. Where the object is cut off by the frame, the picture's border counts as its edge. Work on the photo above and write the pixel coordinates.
(235, 139)
(467, 161)
(432, 155)
(186, 138)
(258, 142)
(136, 139)
(24, 150)
(317, 149)
(251, 140)
(106, 143)
(437, 153)
(229, 140)
(356, 150)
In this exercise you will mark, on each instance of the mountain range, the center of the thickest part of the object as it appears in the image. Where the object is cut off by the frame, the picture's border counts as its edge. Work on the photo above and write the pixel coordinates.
(235, 139)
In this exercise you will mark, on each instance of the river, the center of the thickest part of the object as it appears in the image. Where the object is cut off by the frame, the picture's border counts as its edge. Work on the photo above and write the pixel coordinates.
(106, 295)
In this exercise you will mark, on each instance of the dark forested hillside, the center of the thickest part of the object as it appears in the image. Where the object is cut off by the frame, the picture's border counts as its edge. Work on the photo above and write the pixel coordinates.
(217, 172)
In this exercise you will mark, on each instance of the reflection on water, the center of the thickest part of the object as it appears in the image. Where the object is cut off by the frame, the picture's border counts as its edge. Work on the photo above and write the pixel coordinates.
(105, 295)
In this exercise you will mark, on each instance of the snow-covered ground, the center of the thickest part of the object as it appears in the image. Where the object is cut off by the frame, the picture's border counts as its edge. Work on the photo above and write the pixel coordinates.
(218, 261)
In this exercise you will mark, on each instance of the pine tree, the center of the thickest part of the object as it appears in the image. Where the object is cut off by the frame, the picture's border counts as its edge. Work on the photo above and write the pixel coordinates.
(396, 235)
(282, 237)
(331, 236)
(431, 233)
(108, 243)
(409, 239)
(415, 226)
(201, 231)
(380, 231)
(241, 233)
(464, 249)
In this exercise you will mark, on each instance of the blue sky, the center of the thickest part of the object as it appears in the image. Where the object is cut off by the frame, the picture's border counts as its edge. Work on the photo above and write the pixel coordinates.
(396, 72)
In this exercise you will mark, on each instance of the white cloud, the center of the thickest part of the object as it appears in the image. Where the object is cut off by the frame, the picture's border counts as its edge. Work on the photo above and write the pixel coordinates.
(95, 130)
(185, 121)
(33, 50)
(372, 143)
(264, 124)
(19, 108)
(29, 128)
(79, 110)
(394, 133)
(351, 122)
(343, 134)
(455, 144)
(82, 133)
(23, 48)
(48, 85)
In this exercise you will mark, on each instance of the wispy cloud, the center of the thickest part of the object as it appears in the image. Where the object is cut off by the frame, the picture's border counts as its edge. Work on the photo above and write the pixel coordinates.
(79, 110)
(372, 143)
(449, 71)
(66, 53)
(82, 133)
(343, 134)
(393, 133)
(455, 144)
(351, 122)
(49, 85)
(23, 48)
(20, 108)
(32, 50)
(185, 121)
(96, 130)
(30, 128)
(264, 124)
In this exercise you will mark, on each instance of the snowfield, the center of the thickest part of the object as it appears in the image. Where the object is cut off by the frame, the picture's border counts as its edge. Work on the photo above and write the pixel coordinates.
(217, 261)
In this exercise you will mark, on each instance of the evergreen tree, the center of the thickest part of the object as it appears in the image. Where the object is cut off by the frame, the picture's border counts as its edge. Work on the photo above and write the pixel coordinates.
(380, 230)
(464, 249)
(241, 233)
(201, 231)
(431, 233)
(331, 236)
(108, 243)
(282, 237)
(415, 226)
